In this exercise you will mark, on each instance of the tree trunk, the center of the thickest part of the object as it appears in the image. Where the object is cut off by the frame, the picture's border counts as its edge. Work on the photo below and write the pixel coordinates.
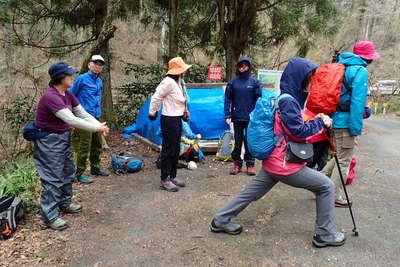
(231, 59)
(173, 29)
(104, 30)
(361, 18)
(235, 19)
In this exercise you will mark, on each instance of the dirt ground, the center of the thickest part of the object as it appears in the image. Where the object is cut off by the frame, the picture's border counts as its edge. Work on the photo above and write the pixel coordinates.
(128, 221)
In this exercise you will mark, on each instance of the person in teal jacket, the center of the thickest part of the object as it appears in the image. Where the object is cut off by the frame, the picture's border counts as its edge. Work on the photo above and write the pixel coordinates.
(88, 89)
(348, 119)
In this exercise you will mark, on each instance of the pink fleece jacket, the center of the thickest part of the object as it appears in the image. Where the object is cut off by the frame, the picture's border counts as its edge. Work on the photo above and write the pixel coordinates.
(276, 162)
(170, 94)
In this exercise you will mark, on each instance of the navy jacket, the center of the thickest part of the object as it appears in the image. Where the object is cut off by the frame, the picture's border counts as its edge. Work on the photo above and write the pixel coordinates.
(88, 88)
(290, 107)
(241, 94)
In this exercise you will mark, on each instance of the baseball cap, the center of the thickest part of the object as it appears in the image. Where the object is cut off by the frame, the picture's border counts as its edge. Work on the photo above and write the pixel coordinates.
(97, 58)
(60, 69)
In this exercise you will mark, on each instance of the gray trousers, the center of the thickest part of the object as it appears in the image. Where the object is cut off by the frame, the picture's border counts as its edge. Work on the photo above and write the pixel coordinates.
(306, 178)
(54, 162)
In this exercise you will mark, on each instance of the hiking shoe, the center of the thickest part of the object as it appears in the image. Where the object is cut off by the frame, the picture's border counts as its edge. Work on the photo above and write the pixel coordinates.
(169, 186)
(251, 171)
(334, 240)
(85, 179)
(231, 228)
(71, 208)
(236, 169)
(95, 171)
(342, 204)
(58, 224)
(178, 182)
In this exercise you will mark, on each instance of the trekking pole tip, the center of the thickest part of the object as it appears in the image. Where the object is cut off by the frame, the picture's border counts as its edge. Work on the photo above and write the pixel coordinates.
(355, 231)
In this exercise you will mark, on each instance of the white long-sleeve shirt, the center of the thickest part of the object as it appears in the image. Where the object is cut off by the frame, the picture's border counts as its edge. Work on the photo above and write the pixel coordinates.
(79, 118)
(170, 94)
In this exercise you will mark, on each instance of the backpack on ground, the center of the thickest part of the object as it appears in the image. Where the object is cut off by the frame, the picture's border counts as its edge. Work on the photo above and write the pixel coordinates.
(325, 89)
(192, 153)
(125, 162)
(11, 213)
(260, 132)
(225, 146)
(352, 171)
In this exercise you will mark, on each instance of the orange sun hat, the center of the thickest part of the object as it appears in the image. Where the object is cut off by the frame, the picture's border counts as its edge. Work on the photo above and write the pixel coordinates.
(177, 66)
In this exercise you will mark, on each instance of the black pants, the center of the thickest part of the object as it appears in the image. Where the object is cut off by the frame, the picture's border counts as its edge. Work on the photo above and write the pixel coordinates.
(320, 155)
(240, 130)
(171, 128)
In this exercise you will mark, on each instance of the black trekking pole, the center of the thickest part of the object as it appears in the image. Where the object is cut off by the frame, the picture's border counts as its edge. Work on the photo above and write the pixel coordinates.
(333, 147)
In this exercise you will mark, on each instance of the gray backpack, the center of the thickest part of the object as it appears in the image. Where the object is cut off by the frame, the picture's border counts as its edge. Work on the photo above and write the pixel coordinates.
(11, 212)
(225, 146)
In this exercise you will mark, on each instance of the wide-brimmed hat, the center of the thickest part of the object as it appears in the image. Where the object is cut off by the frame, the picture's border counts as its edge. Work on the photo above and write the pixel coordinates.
(366, 50)
(177, 66)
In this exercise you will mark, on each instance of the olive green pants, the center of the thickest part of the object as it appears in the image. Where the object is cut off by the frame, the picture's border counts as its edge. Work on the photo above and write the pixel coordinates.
(86, 145)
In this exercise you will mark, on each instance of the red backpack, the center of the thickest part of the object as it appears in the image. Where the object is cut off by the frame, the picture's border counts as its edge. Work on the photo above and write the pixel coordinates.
(325, 88)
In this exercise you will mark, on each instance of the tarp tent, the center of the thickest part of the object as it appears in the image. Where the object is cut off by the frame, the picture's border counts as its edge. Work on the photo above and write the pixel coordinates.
(206, 107)
(206, 111)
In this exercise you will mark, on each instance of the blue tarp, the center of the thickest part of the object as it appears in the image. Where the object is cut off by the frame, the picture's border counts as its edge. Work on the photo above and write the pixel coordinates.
(206, 111)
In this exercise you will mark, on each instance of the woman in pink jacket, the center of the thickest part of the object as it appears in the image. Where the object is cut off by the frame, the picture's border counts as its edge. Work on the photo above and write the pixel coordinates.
(171, 93)
(289, 122)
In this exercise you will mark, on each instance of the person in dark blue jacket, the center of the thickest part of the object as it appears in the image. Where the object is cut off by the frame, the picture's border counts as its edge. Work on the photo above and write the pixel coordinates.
(88, 88)
(241, 95)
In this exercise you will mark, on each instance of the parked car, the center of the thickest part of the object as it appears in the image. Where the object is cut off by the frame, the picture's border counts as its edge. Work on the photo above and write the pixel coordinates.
(386, 87)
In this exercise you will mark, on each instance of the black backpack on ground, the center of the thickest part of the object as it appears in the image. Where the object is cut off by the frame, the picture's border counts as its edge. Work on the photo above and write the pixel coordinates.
(11, 213)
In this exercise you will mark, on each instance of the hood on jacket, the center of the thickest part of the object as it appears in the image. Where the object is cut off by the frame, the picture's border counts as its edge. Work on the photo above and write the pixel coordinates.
(350, 59)
(292, 78)
(247, 74)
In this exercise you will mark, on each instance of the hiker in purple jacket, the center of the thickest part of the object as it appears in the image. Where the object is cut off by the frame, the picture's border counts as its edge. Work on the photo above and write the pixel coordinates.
(59, 110)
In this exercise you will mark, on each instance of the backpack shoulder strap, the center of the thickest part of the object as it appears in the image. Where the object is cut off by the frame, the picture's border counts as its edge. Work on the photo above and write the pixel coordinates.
(349, 90)
(282, 96)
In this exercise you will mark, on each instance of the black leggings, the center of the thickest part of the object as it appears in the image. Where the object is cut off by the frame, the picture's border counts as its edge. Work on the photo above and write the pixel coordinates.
(171, 128)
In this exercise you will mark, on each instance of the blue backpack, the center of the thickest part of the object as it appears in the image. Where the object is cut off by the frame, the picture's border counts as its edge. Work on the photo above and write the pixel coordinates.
(124, 162)
(260, 132)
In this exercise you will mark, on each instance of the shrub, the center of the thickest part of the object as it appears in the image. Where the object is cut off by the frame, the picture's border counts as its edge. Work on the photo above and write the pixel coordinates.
(15, 114)
(21, 180)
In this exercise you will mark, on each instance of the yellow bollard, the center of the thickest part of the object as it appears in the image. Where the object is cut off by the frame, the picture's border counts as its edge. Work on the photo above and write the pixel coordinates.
(385, 105)
(376, 107)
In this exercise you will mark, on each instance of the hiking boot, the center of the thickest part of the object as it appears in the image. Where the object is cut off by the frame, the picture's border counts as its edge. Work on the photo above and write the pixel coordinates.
(251, 171)
(58, 224)
(85, 179)
(334, 240)
(236, 169)
(96, 171)
(342, 204)
(178, 182)
(231, 228)
(168, 185)
(71, 208)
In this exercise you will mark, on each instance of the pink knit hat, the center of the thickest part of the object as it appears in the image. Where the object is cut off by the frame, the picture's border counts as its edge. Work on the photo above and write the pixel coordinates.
(366, 50)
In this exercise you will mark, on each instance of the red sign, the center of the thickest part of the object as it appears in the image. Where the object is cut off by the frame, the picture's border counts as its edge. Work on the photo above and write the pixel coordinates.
(214, 73)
